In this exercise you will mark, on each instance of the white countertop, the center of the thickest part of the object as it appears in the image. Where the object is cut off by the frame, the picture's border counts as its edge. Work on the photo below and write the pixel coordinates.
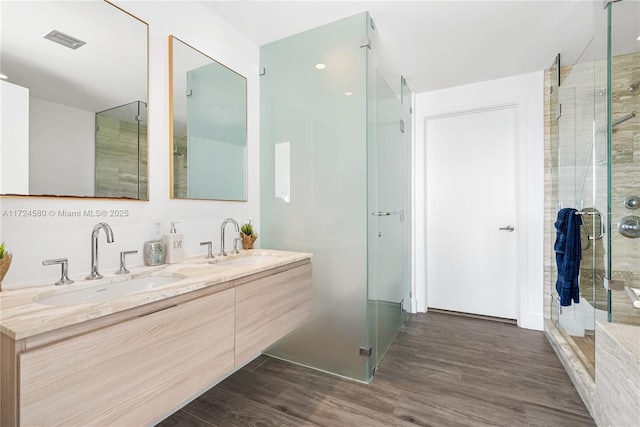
(22, 317)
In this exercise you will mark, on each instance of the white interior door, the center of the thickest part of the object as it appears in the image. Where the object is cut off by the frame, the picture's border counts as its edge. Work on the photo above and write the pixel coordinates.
(471, 195)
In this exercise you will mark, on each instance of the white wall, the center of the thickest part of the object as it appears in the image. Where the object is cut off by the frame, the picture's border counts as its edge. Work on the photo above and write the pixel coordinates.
(527, 93)
(61, 139)
(14, 144)
(33, 239)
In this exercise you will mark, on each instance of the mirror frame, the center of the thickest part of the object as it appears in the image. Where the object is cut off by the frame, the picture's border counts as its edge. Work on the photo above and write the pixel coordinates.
(171, 130)
(127, 199)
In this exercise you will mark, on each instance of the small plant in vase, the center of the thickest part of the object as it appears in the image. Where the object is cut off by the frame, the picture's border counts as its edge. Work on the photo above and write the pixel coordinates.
(5, 262)
(248, 236)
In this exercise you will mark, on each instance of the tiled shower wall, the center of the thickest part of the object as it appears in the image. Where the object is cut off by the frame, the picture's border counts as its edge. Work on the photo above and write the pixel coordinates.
(625, 180)
(117, 154)
(180, 168)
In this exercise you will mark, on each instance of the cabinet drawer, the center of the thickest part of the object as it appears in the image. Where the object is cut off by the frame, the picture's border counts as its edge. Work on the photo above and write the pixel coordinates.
(269, 308)
(130, 373)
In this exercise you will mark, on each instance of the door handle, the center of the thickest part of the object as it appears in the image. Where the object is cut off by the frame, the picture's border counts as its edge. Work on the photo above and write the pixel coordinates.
(395, 213)
(508, 228)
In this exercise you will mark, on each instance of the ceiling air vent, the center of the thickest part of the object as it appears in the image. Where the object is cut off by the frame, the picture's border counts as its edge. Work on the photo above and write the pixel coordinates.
(64, 39)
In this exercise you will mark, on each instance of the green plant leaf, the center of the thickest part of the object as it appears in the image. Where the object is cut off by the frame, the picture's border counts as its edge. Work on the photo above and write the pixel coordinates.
(247, 229)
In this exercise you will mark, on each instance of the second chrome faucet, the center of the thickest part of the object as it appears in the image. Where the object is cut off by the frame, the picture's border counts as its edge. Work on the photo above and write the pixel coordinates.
(94, 248)
(224, 223)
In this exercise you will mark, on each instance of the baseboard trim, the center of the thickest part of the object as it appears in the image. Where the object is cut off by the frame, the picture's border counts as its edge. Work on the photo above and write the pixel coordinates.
(473, 315)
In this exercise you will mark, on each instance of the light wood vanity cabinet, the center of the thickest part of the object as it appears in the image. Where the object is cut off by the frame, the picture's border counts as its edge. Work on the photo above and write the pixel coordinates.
(129, 373)
(134, 367)
(269, 308)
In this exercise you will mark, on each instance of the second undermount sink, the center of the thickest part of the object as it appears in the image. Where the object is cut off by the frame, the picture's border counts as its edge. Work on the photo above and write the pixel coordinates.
(105, 291)
(247, 260)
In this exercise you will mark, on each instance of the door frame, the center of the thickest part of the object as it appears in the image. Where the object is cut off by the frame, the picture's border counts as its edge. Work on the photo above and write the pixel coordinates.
(526, 93)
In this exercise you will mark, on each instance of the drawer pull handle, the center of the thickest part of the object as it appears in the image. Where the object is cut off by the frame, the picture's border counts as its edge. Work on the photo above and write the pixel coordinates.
(156, 311)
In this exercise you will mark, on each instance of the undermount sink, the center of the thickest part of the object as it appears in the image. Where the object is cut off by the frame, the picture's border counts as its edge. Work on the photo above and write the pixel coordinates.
(105, 291)
(247, 260)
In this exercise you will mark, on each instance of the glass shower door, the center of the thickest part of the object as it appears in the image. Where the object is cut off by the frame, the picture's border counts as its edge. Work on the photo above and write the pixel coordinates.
(579, 163)
(216, 142)
(386, 220)
(313, 151)
(406, 97)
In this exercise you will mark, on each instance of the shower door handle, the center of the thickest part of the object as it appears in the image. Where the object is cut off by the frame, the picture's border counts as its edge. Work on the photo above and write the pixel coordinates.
(593, 212)
(508, 228)
(394, 213)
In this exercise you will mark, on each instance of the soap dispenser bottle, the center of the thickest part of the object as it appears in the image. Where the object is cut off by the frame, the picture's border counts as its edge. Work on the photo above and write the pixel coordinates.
(173, 242)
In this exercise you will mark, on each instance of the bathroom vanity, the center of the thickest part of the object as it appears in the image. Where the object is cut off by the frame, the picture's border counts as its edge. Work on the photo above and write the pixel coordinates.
(135, 358)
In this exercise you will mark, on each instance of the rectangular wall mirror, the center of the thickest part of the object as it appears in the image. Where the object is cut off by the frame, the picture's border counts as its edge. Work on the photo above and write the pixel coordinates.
(74, 100)
(209, 126)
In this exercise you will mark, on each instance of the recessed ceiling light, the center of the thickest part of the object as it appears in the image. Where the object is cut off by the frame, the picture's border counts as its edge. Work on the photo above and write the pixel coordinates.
(321, 66)
(3, 77)
(638, 38)
(348, 93)
(64, 39)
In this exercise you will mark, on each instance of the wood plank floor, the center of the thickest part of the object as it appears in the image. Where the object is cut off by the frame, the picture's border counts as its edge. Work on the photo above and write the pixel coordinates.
(442, 370)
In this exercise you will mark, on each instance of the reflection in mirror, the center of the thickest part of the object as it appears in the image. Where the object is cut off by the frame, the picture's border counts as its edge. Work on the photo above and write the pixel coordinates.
(209, 120)
(283, 171)
(74, 100)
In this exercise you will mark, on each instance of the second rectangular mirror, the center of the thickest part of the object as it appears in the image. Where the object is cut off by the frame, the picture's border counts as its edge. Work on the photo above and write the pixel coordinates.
(208, 115)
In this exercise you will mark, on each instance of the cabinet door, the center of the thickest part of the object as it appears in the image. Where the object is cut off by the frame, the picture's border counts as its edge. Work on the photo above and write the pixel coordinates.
(269, 308)
(131, 373)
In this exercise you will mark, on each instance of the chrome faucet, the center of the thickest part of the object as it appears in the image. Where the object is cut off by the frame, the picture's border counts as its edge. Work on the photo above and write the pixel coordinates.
(64, 278)
(209, 246)
(94, 248)
(123, 267)
(224, 223)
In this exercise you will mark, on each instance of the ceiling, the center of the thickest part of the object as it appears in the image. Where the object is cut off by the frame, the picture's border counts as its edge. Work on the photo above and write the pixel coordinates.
(438, 44)
(108, 71)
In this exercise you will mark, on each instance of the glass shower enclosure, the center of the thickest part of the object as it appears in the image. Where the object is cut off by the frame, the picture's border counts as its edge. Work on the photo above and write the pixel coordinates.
(335, 173)
(596, 132)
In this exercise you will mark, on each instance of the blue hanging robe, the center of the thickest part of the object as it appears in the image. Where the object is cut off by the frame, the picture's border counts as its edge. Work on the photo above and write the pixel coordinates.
(568, 249)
